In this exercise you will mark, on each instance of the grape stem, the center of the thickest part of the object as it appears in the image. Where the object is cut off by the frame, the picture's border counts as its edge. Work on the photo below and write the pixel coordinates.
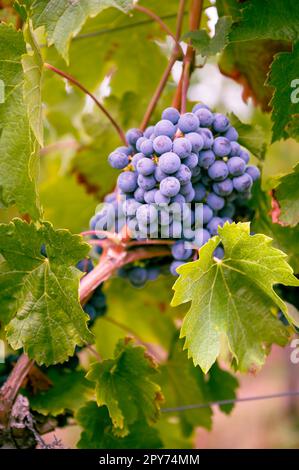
(174, 56)
(79, 85)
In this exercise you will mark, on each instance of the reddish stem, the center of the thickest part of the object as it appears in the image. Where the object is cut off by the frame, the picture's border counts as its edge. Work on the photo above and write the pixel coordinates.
(91, 95)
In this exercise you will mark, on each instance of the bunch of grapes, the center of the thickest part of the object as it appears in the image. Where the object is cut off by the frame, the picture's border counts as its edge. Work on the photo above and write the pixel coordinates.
(188, 167)
(96, 305)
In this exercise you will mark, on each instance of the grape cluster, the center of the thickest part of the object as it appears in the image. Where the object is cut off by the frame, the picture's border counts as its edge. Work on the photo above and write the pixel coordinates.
(96, 306)
(191, 163)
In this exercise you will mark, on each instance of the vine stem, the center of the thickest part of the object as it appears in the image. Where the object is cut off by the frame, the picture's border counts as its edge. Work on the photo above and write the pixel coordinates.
(194, 22)
(79, 85)
(174, 56)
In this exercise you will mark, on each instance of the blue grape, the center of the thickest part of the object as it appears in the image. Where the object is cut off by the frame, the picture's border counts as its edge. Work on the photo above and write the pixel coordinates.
(146, 214)
(170, 186)
(133, 135)
(218, 171)
(85, 265)
(182, 147)
(149, 131)
(221, 146)
(162, 144)
(146, 166)
(160, 198)
(253, 172)
(200, 192)
(207, 214)
(139, 142)
(231, 134)
(236, 166)
(223, 188)
(118, 160)
(136, 158)
(149, 196)
(219, 252)
(205, 117)
(139, 195)
(201, 237)
(190, 195)
(159, 174)
(215, 202)
(147, 147)
(183, 174)
(227, 211)
(169, 162)
(198, 106)
(171, 114)
(127, 181)
(137, 276)
(173, 267)
(191, 161)
(220, 123)
(186, 188)
(206, 158)
(196, 140)
(146, 182)
(124, 149)
(188, 122)
(110, 197)
(235, 149)
(244, 155)
(213, 225)
(165, 127)
(179, 199)
(242, 183)
(180, 252)
(207, 136)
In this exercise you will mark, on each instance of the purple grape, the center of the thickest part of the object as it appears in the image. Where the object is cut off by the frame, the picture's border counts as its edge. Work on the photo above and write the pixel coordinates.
(242, 183)
(231, 134)
(173, 267)
(236, 166)
(139, 142)
(220, 123)
(118, 160)
(149, 131)
(244, 155)
(139, 195)
(136, 158)
(253, 172)
(215, 202)
(127, 181)
(165, 127)
(200, 192)
(235, 149)
(186, 188)
(227, 219)
(189, 197)
(206, 158)
(180, 252)
(196, 140)
(223, 188)
(205, 117)
(170, 186)
(191, 161)
(147, 147)
(146, 182)
(178, 199)
(110, 197)
(213, 225)
(133, 135)
(171, 114)
(146, 166)
(218, 171)
(201, 237)
(221, 146)
(160, 198)
(162, 144)
(137, 276)
(188, 122)
(207, 214)
(199, 106)
(207, 136)
(130, 207)
(169, 162)
(219, 252)
(183, 174)
(159, 174)
(149, 196)
(123, 149)
(146, 214)
(182, 147)
(153, 272)
(227, 211)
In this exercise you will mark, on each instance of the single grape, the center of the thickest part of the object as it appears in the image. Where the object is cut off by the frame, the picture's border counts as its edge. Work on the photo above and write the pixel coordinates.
(139, 195)
(235, 149)
(189, 197)
(186, 188)
(139, 142)
(191, 161)
(223, 188)
(180, 252)
(127, 181)
(85, 265)
(253, 172)
(165, 127)
(200, 192)
(118, 160)
(188, 122)
(147, 147)
(159, 174)
(199, 106)
(160, 198)
(136, 158)
(244, 155)
(124, 149)
(221, 146)
(196, 172)
(196, 140)
(231, 134)
(207, 136)
(201, 237)
(215, 202)
(149, 196)
(206, 158)
(236, 166)
(179, 199)
(110, 197)
(149, 131)
(213, 225)
(137, 276)
(170, 186)
(133, 135)
(153, 272)
(146, 214)
(171, 114)
(220, 123)
(218, 171)
(182, 147)
(242, 183)
(169, 162)
(173, 267)
(205, 117)
(183, 174)
(219, 252)
(146, 166)
(207, 214)
(162, 144)
(146, 182)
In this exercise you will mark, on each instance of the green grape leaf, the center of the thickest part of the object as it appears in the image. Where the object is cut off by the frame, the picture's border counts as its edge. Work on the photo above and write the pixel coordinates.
(46, 317)
(171, 434)
(70, 390)
(287, 195)
(222, 386)
(231, 299)
(248, 63)
(124, 384)
(251, 137)
(18, 147)
(33, 72)
(284, 78)
(292, 128)
(207, 46)
(98, 431)
(274, 19)
(63, 19)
